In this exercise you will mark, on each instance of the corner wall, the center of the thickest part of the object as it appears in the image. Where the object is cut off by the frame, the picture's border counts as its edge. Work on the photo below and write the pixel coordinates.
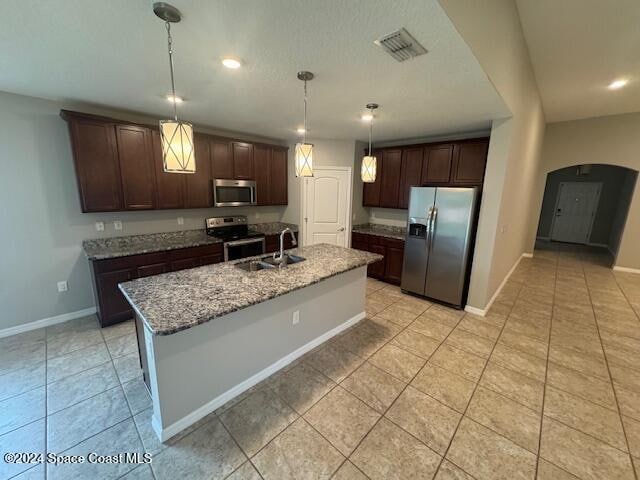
(493, 32)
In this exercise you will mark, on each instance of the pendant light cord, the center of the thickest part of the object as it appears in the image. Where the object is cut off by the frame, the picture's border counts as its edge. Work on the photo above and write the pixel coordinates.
(304, 138)
(370, 130)
(173, 85)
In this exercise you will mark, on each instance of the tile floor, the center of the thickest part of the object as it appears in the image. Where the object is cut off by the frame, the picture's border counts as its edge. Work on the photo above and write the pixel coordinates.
(546, 386)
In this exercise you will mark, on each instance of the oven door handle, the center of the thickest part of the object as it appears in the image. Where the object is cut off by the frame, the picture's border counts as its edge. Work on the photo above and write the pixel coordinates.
(246, 241)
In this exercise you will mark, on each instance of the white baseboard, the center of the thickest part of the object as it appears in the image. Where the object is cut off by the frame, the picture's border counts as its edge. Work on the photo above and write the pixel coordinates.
(475, 311)
(46, 322)
(206, 409)
(618, 268)
(483, 311)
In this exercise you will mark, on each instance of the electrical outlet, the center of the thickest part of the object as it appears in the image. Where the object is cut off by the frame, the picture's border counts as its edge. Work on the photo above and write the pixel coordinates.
(117, 224)
(99, 226)
(257, 214)
(62, 286)
(180, 221)
(296, 317)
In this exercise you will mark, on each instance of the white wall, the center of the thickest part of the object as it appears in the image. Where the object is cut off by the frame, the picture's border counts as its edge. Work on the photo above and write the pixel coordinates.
(611, 140)
(41, 225)
(493, 32)
(328, 153)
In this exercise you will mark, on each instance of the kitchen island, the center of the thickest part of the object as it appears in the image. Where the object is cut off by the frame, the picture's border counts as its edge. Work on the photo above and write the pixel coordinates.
(207, 334)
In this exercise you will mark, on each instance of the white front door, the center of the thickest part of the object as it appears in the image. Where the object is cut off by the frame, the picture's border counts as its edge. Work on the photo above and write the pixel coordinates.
(327, 206)
(576, 207)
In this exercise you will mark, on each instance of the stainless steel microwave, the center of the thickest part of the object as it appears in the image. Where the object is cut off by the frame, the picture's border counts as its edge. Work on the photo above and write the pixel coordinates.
(233, 193)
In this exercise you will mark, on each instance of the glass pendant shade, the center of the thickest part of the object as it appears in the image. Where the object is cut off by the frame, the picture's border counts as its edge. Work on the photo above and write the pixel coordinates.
(304, 160)
(368, 170)
(177, 147)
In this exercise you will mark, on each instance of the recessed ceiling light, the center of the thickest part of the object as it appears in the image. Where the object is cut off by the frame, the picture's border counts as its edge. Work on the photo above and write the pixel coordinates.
(231, 62)
(301, 130)
(366, 117)
(616, 84)
(174, 99)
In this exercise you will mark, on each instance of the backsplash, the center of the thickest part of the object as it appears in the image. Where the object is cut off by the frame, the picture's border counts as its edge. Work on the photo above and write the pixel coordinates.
(159, 221)
(388, 216)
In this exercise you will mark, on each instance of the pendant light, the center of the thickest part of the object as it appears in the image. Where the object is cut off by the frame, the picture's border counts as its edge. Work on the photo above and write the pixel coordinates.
(369, 162)
(304, 150)
(176, 136)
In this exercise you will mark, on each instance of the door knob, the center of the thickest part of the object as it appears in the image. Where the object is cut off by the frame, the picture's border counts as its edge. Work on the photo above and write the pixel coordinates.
(341, 229)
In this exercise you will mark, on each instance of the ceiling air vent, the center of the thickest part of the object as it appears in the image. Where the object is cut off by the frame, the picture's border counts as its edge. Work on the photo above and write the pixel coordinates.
(401, 45)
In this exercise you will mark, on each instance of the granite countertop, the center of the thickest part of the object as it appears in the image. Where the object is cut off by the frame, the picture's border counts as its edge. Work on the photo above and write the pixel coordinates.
(114, 247)
(387, 231)
(102, 248)
(171, 302)
(272, 228)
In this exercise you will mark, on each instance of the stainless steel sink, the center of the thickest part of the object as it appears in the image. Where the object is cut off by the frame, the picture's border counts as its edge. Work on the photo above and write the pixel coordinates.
(255, 265)
(288, 260)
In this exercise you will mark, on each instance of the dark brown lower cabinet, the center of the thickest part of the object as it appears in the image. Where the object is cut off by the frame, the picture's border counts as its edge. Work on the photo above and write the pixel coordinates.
(112, 306)
(142, 352)
(108, 273)
(376, 270)
(393, 260)
(389, 269)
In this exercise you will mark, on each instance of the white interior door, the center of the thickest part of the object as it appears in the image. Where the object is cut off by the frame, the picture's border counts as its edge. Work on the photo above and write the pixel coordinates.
(576, 207)
(327, 206)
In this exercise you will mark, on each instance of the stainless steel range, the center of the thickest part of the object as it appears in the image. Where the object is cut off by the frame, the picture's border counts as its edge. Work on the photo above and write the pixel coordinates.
(238, 240)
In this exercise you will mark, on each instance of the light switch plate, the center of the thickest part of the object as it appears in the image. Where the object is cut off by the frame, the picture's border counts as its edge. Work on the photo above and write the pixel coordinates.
(99, 226)
(296, 317)
(117, 224)
(62, 286)
(180, 221)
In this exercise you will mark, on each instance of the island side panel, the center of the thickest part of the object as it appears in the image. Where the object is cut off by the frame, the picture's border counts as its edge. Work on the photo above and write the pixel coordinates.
(198, 369)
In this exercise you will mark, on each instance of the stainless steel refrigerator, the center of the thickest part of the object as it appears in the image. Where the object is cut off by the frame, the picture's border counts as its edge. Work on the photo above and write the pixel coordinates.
(440, 228)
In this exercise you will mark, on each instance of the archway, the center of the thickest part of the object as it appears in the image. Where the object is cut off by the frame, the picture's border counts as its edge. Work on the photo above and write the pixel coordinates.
(585, 208)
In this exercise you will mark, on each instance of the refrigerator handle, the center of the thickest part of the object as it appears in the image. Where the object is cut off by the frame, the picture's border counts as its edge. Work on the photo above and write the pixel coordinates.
(429, 217)
(432, 224)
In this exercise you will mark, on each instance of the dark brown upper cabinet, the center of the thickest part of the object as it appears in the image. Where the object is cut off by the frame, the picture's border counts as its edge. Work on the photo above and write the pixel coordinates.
(436, 167)
(95, 155)
(199, 192)
(170, 187)
(445, 163)
(221, 159)
(470, 162)
(262, 169)
(242, 160)
(371, 191)
(135, 154)
(390, 186)
(411, 171)
(279, 175)
(119, 167)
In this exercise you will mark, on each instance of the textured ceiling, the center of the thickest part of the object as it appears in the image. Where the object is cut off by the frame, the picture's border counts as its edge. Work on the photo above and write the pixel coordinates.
(577, 48)
(113, 53)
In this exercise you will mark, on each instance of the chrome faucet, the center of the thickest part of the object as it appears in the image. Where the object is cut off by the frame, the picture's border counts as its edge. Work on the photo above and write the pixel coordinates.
(280, 258)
